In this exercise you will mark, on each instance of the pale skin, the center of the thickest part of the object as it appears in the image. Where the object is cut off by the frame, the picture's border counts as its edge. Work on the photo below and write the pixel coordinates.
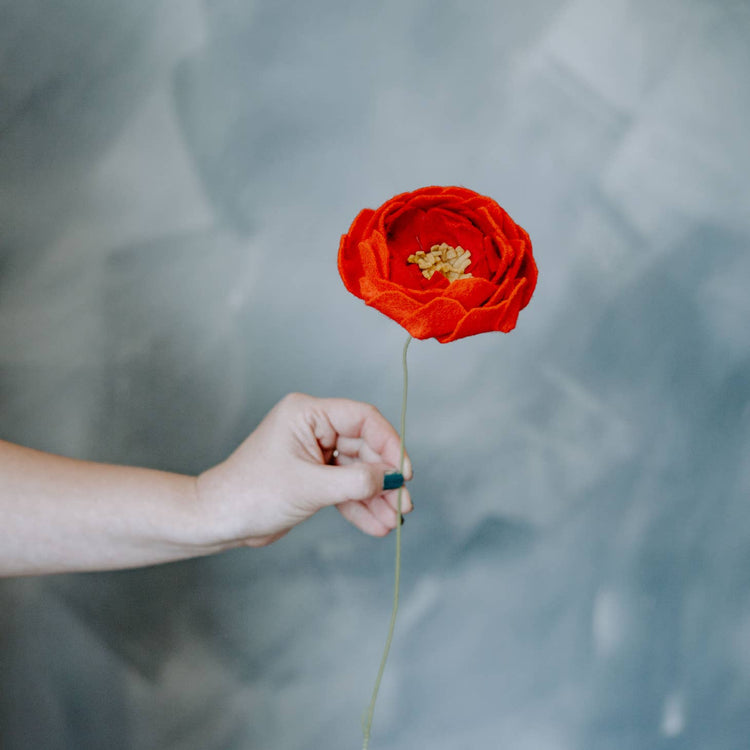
(65, 515)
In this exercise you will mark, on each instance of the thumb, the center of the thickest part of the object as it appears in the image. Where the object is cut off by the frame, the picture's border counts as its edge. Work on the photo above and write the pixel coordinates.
(358, 481)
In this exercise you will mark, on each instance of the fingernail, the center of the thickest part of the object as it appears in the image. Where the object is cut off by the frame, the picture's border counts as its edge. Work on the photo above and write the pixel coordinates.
(393, 480)
(407, 468)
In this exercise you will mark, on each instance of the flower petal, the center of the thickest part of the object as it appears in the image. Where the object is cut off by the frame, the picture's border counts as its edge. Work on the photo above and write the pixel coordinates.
(350, 264)
(500, 317)
(437, 318)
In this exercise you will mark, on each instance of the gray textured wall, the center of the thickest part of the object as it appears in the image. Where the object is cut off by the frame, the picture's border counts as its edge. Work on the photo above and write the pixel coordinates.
(174, 178)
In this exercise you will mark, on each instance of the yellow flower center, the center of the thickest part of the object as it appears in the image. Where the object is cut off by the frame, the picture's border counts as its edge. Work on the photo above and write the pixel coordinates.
(452, 262)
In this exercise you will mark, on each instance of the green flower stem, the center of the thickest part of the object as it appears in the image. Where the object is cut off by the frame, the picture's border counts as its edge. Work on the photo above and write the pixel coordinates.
(367, 721)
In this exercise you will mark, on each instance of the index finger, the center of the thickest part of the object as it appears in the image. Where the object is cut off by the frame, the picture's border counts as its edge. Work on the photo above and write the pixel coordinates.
(355, 419)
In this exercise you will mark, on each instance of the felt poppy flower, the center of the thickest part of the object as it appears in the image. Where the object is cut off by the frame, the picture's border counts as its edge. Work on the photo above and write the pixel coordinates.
(443, 262)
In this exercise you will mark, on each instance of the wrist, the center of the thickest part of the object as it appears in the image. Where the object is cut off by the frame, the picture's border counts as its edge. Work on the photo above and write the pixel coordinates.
(182, 524)
(215, 527)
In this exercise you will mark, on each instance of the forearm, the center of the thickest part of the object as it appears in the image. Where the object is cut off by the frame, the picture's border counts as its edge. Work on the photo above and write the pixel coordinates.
(60, 514)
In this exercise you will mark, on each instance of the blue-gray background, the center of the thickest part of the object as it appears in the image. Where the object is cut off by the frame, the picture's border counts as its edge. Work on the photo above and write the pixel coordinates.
(174, 179)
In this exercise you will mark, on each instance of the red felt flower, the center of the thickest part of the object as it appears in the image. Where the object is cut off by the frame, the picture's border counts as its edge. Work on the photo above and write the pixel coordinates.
(444, 262)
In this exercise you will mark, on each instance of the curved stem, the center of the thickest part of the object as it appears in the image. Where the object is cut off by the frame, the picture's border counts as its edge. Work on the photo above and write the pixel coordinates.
(367, 722)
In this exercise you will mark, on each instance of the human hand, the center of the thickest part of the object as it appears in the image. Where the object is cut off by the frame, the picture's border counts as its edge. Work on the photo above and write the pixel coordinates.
(308, 453)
